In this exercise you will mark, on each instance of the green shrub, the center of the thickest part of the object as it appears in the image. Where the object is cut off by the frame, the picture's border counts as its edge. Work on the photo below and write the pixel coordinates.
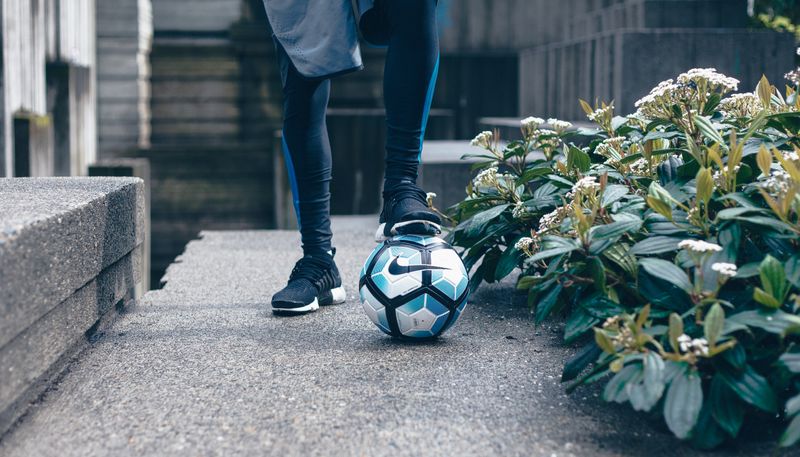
(670, 243)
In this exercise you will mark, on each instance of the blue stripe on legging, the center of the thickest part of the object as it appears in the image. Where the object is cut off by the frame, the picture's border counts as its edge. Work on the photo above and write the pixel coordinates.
(427, 109)
(287, 157)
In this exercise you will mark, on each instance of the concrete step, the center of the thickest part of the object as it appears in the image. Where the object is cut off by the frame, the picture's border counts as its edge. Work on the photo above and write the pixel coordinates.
(201, 367)
(70, 250)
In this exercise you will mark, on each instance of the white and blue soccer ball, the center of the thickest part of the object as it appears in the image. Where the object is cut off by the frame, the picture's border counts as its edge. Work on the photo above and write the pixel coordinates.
(414, 286)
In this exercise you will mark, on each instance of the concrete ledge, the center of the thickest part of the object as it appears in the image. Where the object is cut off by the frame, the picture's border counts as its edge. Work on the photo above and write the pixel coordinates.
(56, 235)
(70, 250)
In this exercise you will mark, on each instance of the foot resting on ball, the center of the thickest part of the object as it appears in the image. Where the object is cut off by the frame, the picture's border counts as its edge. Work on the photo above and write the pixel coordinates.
(314, 281)
(406, 212)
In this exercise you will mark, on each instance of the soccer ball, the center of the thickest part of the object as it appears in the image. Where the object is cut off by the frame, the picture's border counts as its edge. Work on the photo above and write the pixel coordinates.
(414, 286)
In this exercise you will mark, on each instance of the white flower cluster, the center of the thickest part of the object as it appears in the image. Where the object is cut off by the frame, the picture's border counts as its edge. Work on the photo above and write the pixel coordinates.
(483, 140)
(699, 246)
(696, 346)
(600, 113)
(525, 244)
(793, 76)
(486, 178)
(559, 125)
(671, 92)
(728, 270)
(640, 168)
(741, 105)
(429, 196)
(585, 185)
(791, 155)
(778, 183)
(530, 126)
(520, 210)
(709, 79)
(611, 148)
(665, 94)
(552, 142)
(553, 219)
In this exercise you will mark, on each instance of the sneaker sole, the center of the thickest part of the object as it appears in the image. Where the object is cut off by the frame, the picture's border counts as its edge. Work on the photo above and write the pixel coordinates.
(413, 227)
(313, 306)
(335, 296)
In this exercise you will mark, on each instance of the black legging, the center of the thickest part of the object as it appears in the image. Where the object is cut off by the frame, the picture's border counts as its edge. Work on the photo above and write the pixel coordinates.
(412, 64)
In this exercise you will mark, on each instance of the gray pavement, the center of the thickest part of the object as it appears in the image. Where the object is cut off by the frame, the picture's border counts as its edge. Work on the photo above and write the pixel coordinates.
(202, 368)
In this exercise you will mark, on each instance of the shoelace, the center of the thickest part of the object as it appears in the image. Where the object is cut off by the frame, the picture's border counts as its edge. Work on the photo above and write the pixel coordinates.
(311, 268)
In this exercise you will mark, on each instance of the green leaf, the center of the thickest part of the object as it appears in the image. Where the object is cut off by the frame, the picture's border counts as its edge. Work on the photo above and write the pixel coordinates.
(708, 130)
(578, 160)
(580, 361)
(683, 403)
(727, 409)
(707, 434)
(791, 436)
(480, 220)
(764, 91)
(675, 329)
(765, 298)
(604, 342)
(644, 394)
(578, 323)
(547, 303)
(791, 360)
(615, 229)
(752, 388)
(705, 185)
(598, 271)
(776, 322)
(620, 255)
(660, 200)
(613, 193)
(793, 406)
(773, 278)
(615, 390)
(792, 269)
(714, 324)
(655, 245)
(668, 271)
(507, 263)
(554, 246)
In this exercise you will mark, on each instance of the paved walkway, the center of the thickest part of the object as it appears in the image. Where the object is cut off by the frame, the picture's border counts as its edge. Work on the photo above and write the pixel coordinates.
(202, 368)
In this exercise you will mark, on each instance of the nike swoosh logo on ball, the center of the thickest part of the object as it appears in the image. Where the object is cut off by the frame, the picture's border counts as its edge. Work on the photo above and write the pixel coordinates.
(396, 269)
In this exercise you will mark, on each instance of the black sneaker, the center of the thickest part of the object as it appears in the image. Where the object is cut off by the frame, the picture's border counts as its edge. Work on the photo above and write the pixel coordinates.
(314, 281)
(406, 212)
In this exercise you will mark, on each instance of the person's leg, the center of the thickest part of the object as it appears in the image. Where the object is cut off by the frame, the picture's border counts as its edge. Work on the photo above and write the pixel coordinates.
(315, 279)
(307, 152)
(412, 64)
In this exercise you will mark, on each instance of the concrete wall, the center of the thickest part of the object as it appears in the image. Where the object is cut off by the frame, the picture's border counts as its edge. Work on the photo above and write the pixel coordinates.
(624, 65)
(124, 42)
(70, 252)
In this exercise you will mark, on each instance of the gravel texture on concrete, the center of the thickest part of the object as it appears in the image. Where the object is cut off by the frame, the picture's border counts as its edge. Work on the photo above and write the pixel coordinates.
(202, 367)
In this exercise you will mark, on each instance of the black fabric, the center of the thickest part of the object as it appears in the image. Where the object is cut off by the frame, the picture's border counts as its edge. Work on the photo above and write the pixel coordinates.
(409, 76)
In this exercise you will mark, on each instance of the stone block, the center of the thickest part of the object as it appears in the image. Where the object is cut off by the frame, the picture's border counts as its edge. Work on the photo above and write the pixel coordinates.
(137, 168)
(57, 234)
